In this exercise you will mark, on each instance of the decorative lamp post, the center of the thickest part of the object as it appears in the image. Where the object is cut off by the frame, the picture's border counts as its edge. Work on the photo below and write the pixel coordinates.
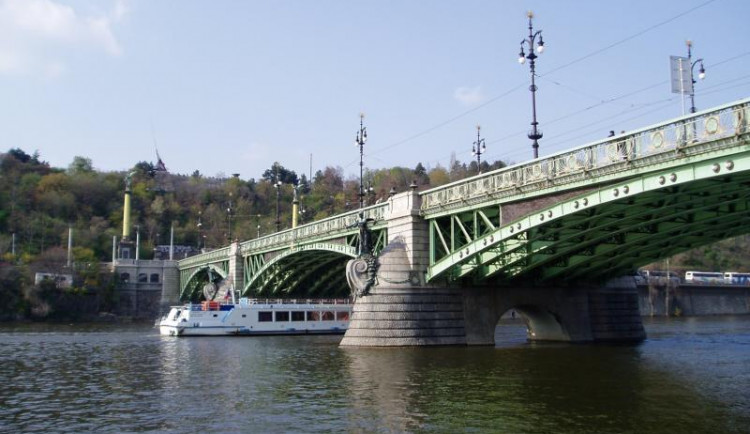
(479, 148)
(535, 134)
(360, 141)
(369, 191)
(295, 207)
(201, 241)
(257, 216)
(277, 185)
(229, 219)
(701, 73)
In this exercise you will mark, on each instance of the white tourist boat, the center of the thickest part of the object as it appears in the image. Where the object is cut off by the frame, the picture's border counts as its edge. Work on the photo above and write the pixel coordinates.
(258, 317)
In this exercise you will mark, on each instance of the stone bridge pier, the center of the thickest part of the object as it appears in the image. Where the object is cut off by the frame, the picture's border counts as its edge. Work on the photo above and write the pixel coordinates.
(607, 314)
(402, 310)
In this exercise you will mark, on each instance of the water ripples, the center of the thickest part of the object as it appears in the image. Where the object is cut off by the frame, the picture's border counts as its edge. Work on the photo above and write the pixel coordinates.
(691, 375)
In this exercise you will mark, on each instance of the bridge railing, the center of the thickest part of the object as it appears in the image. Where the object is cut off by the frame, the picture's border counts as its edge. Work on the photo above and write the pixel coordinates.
(613, 154)
(325, 228)
(205, 258)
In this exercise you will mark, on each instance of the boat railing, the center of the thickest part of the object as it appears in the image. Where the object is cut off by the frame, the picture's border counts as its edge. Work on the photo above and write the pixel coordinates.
(327, 301)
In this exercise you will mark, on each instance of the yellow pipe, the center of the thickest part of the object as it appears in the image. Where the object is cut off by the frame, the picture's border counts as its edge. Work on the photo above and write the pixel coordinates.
(295, 212)
(126, 217)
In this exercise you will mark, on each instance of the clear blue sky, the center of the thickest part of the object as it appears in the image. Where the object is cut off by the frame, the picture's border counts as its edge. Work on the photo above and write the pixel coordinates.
(231, 86)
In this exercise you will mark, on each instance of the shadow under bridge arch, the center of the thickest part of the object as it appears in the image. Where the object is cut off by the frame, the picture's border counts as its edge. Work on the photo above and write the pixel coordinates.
(607, 231)
(198, 277)
(312, 270)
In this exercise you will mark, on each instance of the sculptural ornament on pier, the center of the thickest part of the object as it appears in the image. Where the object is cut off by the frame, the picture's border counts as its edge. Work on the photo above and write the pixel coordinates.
(361, 272)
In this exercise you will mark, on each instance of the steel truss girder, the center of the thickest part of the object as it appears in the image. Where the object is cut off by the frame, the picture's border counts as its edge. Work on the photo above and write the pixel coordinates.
(598, 241)
(631, 259)
(287, 277)
(636, 247)
(282, 268)
(660, 220)
(449, 234)
(191, 277)
(486, 249)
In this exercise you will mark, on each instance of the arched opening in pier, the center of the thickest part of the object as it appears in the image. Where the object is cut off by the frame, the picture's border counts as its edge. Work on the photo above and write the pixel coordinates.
(525, 323)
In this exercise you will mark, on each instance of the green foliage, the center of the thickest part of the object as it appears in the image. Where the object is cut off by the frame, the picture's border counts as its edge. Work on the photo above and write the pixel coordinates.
(39, 203)
(80, 165)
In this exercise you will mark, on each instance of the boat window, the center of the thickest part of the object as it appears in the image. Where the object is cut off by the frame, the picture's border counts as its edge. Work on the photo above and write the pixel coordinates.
(298, 316)
(265, 316)
(244, 316)
(282, 316)
(154, 278)
(313, 316)
(142, 278)
(342, 316)
(328, 316)
(125, 277)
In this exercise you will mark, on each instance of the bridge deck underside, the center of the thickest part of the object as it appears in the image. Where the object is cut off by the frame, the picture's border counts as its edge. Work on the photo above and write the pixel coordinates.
(313, 273)
(195, 278)
(316, 269)
(595, 243)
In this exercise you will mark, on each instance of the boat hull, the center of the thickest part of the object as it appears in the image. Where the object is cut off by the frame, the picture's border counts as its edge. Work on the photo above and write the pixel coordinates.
(256, 319)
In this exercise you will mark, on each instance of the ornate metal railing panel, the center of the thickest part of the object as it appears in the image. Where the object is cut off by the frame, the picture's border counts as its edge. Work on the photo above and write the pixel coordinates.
(671, 140)
(328, 228)
(217, 255)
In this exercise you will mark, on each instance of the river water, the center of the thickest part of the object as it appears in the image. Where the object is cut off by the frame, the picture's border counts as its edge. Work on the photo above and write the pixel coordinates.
(691, 375)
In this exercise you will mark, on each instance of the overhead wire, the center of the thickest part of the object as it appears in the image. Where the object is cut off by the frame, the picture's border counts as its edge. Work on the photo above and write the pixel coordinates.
(558, 68)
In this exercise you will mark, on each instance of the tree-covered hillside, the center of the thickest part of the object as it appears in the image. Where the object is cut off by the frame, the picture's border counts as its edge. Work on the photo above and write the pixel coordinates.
(39, 203)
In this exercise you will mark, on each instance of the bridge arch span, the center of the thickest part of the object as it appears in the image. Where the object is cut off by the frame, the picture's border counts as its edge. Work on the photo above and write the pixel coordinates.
(201, 275)
(311, 270)
(613, 229)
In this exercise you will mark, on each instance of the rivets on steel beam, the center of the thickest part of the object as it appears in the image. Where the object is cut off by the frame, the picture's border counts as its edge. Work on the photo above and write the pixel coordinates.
(716, 167)
(662, 180)
(549, 213)
(518, 226)
(541, 217)
(673, 177)
(467, 252)
(616, 192)
(492, 238)
(729, 165)
(626, 189)
(576, 204)
(460, 254)
(585, 201)
(512, 229)
(485, 242)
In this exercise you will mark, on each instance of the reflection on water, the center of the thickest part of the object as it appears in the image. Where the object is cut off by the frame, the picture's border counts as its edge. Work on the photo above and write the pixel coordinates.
(691, 375)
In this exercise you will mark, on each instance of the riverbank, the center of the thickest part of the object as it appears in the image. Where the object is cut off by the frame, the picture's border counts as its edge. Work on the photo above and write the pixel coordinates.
(693, 300)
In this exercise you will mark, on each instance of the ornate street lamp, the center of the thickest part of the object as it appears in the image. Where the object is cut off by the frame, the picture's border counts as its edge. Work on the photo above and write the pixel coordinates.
(277, 185)
(229, 219)
(535, 134)
(479, 148)
(369, 191)
(701, 74)
(360, 141)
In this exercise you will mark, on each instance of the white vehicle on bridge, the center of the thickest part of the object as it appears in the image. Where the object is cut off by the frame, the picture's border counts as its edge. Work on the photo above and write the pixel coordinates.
(732, 278)
(258, 317)
(704, 277)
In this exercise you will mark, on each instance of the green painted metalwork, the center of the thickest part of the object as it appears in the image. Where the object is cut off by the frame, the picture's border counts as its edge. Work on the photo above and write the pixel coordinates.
(296, 261)
(194, 278)
(288, 270)
(587, 214)
(645, 196)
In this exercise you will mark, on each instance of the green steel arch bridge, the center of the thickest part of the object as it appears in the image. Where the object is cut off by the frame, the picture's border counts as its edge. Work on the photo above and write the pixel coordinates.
(587, 214)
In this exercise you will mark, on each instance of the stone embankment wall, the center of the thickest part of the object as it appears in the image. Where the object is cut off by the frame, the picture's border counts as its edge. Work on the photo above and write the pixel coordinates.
(693, 300)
